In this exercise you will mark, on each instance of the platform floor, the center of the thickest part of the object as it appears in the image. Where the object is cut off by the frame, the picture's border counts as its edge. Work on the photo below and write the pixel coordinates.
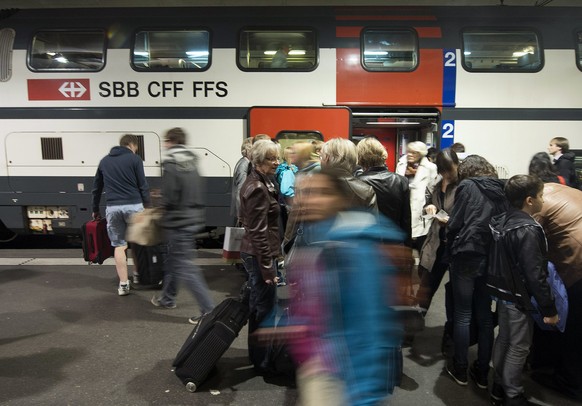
(67, 338)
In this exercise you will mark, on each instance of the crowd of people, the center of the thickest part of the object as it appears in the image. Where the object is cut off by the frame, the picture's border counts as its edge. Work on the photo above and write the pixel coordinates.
(348, 232)
(347, 214)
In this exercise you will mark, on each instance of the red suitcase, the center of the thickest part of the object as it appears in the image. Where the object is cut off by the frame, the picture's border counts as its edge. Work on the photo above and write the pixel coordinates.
(96, 244)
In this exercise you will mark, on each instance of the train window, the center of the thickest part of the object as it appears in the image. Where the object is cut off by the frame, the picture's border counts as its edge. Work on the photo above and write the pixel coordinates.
(501, 51)
(60, 50)
(276, 50)
(180, 50)
(389, 50)
(6, 43)
(579, 49)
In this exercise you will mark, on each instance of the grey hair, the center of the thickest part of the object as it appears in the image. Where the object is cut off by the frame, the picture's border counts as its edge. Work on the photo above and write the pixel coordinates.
(417, 146)
(260, 150)
(339, 153)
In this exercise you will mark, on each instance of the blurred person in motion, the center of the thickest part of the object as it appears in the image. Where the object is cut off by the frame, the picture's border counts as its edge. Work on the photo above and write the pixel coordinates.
(307, 162)
(344, 284)
(518, 271)
(422, 177)
(121, 175)
(479, 197)
(392, 193)
(559, 353)
(563, 160)
(434, 256)
(238, 178)
(184, 209)
(260, 245)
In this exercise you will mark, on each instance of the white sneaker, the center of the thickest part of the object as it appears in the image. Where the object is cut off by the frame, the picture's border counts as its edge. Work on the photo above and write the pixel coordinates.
(123, 290)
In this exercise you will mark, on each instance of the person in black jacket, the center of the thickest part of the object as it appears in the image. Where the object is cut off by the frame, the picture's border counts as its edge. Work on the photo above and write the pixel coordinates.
(559, 149)
(392, 192)
(518, 270)
(121, 175)
(479, 196)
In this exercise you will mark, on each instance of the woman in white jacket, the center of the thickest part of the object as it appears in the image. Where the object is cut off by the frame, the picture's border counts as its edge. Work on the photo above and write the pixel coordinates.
(422, 177)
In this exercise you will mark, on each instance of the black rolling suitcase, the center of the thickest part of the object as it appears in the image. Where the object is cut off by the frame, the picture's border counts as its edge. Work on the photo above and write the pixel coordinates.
(148, 261)
(209, 341)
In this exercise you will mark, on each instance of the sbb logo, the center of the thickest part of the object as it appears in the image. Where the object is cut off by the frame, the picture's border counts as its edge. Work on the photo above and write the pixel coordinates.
(59, 89)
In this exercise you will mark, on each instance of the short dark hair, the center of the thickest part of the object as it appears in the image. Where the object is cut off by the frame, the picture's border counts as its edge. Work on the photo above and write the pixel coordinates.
(542, 167)
(128, 139)
(176, 136)
(458, 147)
(562, 143)
(520, 187)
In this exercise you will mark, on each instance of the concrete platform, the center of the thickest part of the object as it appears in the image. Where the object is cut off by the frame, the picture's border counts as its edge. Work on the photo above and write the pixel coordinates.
(67, 338)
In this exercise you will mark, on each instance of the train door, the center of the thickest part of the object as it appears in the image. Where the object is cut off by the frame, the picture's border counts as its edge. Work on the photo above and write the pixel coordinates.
(395, 128)
(289, 124)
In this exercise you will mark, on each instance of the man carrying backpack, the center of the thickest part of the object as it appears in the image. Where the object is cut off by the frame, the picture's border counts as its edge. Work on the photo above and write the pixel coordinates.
(517, 271)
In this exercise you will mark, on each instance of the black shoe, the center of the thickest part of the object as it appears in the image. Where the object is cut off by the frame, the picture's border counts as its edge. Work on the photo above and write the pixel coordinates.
(479, 376)
(519, 400)
(497, 394)
(458, 374)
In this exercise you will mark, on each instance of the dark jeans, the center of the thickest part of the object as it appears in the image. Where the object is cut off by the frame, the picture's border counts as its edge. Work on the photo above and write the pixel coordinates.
(262, 307)
(179, 268)
(469, 276)
(431, 281)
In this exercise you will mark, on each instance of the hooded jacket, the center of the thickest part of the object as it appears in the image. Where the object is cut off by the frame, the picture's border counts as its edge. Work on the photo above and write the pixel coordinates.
(566, 168)
(182, 189)
(476, 201)
(518, 268)
(121, 175)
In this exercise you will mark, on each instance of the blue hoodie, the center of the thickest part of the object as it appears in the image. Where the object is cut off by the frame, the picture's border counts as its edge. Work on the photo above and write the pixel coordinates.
(122, 176)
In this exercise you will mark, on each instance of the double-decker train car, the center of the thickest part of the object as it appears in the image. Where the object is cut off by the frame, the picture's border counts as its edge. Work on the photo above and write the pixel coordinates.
(501, 80)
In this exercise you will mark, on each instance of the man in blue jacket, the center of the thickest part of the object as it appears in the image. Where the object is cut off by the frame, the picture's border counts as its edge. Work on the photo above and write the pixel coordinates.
(122, 176)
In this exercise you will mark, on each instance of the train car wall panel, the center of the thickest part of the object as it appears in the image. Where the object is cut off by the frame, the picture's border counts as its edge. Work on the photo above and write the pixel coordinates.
(223, 85)
(512, 143)
(423, 87)
(550, 88)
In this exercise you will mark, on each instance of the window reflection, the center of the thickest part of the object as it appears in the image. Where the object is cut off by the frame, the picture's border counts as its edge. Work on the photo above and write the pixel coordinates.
(171, 50)
(501, 51)
(68, 51)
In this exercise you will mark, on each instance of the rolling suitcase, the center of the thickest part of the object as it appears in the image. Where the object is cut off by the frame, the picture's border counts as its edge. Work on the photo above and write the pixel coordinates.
(96, 244)
(209, 341)
(149, 265)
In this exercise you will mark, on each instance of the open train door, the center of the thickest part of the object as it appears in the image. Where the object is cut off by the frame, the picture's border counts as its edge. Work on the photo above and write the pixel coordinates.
(292, 124)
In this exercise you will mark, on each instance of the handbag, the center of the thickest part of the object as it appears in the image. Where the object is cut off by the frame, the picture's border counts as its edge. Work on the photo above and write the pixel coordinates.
(232, 241)
(144, 227)
(561, 300)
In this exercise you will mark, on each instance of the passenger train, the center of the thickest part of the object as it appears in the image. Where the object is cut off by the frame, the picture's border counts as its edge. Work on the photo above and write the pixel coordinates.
(501, 80)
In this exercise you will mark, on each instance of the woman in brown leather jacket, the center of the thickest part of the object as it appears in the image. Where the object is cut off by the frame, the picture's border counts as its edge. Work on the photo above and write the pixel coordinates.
(260, 245)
